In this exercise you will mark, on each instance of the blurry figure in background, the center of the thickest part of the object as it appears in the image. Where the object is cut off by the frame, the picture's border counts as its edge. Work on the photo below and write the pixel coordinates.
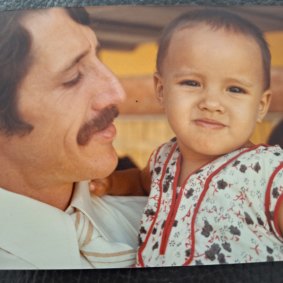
(276, 136)
(125, 162)
(215, 197)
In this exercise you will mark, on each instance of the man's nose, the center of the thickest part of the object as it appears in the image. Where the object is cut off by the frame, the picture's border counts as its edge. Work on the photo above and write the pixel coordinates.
(211, 100)
(116, 91)
(108, 88)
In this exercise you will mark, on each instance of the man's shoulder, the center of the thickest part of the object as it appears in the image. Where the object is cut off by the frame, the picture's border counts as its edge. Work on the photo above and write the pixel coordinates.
(11, 261)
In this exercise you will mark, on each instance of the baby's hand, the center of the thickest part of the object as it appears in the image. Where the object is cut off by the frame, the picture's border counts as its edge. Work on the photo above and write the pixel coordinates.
(100, 187)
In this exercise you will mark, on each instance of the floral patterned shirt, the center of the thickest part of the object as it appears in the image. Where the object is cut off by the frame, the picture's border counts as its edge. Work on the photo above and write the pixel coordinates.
(226, 212)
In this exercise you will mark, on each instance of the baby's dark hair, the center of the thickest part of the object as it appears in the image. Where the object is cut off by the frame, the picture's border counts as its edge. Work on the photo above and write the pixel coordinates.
(216, 19)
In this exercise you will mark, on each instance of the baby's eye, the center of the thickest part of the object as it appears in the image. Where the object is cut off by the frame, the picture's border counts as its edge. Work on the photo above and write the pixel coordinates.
(73, 82)
(236, 89)
(192, 83)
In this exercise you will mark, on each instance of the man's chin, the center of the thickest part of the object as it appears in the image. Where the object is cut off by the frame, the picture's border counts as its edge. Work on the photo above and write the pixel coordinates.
(106, 170)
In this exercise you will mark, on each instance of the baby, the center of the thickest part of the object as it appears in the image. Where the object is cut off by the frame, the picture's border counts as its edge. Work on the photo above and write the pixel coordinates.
(214, 196)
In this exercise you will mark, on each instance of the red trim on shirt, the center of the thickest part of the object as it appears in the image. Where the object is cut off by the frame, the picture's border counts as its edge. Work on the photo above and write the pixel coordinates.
(276, 216)
(267, 199)
(155, 154)
(173, 209)
(158, 206)
(203, 193)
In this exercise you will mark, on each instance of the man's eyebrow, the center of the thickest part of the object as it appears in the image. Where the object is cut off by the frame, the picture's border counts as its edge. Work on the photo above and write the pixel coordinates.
(78, 58)
(74, 62)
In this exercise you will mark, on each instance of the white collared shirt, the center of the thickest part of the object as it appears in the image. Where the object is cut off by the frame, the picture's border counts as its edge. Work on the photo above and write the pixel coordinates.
(35, 235)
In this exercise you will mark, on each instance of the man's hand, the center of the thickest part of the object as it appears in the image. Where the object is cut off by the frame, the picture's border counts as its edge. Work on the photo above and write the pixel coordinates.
(130, 182)
(100, 187)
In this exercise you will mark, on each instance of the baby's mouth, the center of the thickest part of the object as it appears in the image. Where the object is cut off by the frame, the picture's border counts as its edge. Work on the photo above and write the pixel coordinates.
(209, 123)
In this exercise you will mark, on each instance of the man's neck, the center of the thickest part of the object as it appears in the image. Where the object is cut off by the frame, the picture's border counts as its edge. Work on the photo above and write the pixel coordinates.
(18, 174)
(58, 197)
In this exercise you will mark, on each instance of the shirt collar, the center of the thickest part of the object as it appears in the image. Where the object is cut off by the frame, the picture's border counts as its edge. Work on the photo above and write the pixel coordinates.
(81, 198)
(82, 201)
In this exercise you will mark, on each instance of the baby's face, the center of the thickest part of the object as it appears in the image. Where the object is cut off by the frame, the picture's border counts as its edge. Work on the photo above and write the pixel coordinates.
(211, 88)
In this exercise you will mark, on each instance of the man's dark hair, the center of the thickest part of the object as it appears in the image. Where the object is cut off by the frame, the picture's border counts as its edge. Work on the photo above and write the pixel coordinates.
(15, 60)
(216, 19)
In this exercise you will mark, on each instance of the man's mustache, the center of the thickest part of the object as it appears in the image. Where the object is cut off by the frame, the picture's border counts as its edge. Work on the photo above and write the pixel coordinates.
(97, 124)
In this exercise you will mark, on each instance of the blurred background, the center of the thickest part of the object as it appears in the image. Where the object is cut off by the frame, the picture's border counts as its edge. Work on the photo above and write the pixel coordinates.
(128, 36)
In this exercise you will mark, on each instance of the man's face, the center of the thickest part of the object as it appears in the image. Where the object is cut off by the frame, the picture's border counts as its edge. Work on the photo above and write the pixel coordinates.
(212, 89)
(65, 89)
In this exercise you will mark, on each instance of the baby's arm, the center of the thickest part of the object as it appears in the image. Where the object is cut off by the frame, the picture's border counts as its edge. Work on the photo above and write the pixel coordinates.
(280, 217)
(130, 182)
(275, 200)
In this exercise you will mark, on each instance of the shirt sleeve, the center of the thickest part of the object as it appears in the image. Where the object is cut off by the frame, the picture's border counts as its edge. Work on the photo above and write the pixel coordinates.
(274, 199)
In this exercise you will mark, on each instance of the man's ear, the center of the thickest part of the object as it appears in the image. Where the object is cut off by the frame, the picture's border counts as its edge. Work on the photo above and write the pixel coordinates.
(158, 87)
(264, 105)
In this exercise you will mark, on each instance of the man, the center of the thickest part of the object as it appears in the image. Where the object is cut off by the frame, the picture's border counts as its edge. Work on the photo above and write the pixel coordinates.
(57, 105)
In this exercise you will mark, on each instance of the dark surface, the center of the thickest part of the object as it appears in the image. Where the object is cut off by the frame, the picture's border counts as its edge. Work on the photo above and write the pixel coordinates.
(251, 273)
(260, 272)
(20, 4)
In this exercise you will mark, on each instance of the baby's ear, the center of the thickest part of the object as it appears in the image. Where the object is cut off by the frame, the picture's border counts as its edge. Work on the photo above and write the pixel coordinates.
(264, 105)
(158, 87)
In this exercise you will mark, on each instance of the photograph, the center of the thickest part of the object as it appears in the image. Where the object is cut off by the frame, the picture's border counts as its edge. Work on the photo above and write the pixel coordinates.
(141, 136)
